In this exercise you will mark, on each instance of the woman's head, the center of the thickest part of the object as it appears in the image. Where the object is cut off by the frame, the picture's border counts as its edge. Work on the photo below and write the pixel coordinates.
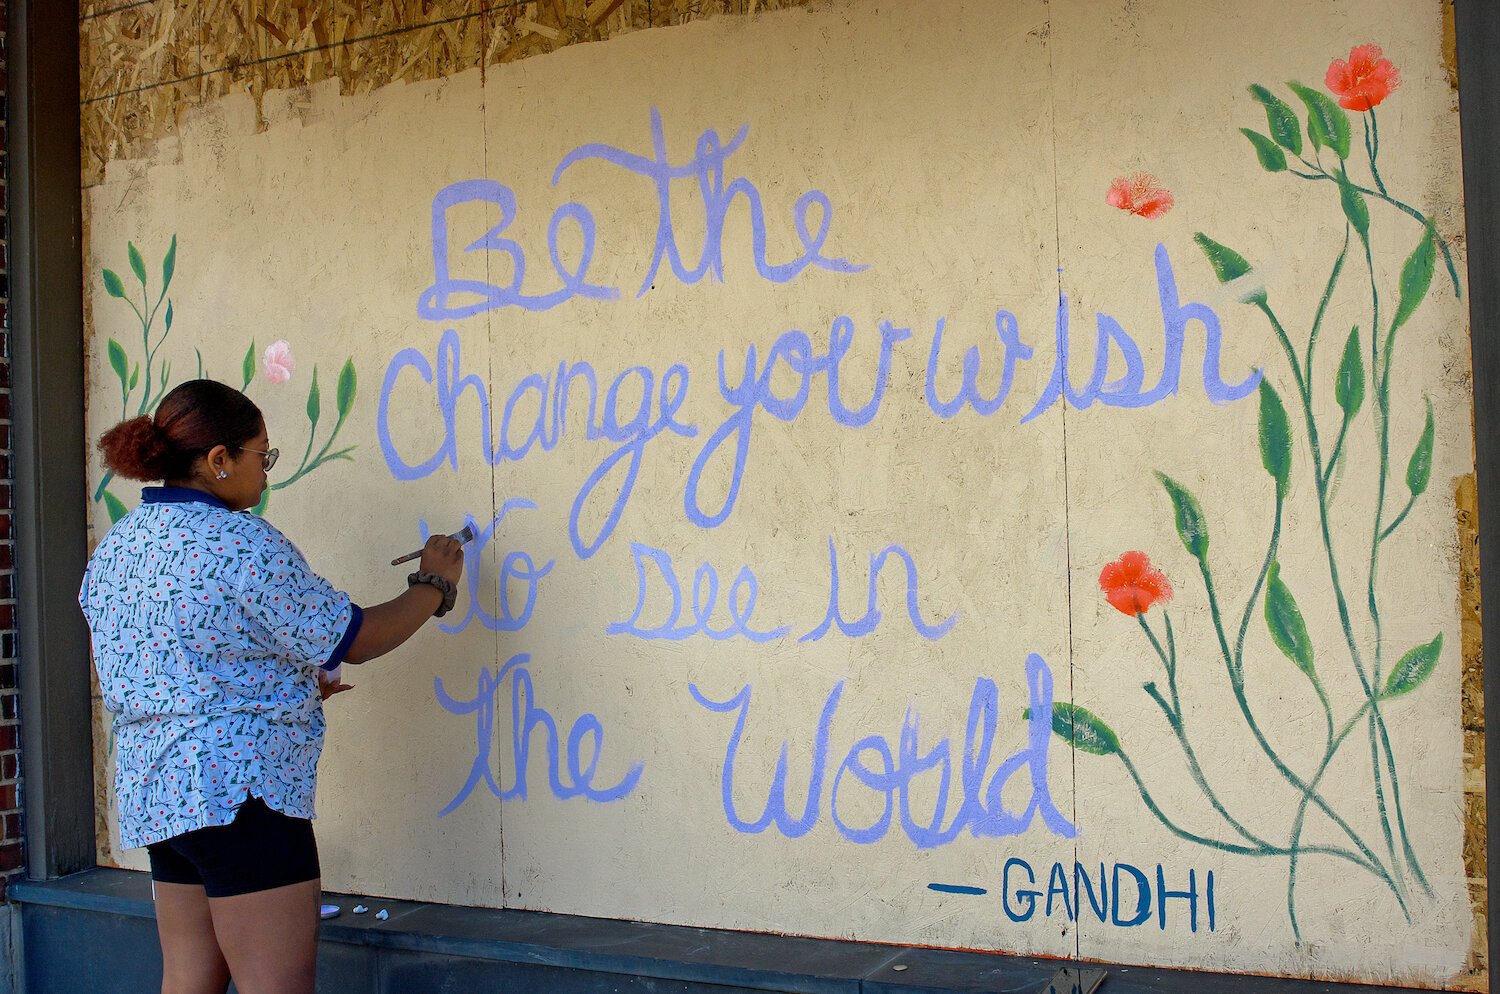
(202, 433)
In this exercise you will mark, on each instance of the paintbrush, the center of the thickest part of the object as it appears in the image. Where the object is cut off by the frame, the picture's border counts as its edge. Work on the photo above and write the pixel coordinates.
(463, 536)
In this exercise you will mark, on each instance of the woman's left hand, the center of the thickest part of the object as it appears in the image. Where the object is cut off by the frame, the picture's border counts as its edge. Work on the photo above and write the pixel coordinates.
(335, 687)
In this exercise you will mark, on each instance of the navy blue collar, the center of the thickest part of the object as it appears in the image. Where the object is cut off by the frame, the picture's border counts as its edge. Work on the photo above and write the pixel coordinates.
(179, 495)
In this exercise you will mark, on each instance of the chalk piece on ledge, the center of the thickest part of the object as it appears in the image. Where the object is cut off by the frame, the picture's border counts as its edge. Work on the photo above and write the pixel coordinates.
(382, 914)
(328, 911)
(360, 909)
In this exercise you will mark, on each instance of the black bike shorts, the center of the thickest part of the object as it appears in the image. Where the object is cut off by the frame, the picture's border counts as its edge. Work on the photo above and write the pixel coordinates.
(260, 850)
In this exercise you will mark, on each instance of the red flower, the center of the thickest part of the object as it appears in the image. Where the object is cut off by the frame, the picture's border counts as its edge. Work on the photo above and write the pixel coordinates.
(1132, 586)
(1363, 81)
(1140, 193)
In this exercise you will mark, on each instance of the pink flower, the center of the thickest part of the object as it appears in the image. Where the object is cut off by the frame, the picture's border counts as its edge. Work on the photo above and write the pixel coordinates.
(1363, 81)
(278, 362)
(1141, 194)
(1132, 585)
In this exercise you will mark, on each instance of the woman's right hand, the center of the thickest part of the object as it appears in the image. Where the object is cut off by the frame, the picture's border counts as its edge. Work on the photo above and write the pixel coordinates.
(444, 557)
(388, 625)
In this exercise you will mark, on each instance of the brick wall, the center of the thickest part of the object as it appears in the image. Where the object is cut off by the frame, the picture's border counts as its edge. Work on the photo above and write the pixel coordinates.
(11, 853)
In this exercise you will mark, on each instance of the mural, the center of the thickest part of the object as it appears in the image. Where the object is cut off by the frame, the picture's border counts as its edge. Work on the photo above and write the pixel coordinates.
(1133, 587)
(977, 515)
(129, 370)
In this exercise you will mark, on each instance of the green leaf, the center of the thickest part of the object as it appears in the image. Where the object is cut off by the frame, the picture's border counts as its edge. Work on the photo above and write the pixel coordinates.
(199, 353)
(1191, 527)
(1419, 469)
(342, 453)
(166, 372)
(1280, 119)
(1275, 437)
(112, 284)
(1283, 618)
(135, 376)
(169, 265)
(1272, 158)
(1414, 667)
(1349, 385)
(116, 509)
(1327, 123)
(1355, 208)
(1081, 728)
(247, 368)
(265, 501)
(169, 316)
(1416, 276)
(346, 388)
(137, 264)
(118, 361)
(314, 405)
(1228, 264)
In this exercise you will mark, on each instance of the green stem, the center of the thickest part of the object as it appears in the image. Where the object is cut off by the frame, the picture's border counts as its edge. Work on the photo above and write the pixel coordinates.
(1173, 714)
(1333, 747)
(1379, 379)
(1322, 478)
(312, 434)
(1231, 847)
(1172, 670)
(1379, 735)
(1265, 568)
(1327, 706)
(1237, 684)
(1166, 661)
(1291, 358)
(1407, 209)
(1381, 807)
(1175, 720)
(150, 350)
(1333, 277)
(1333, 458)
(1341, 601)
(1373, 148)
(1381, 419)
(145, 348)
(1396, 523)
(317, 460)
(1375, 311)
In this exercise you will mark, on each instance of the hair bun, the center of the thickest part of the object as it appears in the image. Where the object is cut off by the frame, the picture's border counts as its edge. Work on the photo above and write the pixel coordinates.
(136, 449)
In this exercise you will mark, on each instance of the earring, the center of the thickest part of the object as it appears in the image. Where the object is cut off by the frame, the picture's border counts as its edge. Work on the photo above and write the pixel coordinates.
(223, 475)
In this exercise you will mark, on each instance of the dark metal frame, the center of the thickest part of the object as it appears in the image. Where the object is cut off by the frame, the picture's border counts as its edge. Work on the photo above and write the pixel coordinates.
(48, 403)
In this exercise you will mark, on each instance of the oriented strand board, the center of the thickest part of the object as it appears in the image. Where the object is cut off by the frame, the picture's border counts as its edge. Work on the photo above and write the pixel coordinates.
(145, 65)
(967, 151)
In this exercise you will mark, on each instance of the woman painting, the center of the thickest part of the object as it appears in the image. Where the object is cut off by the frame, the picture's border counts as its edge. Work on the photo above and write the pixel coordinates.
(215, 644)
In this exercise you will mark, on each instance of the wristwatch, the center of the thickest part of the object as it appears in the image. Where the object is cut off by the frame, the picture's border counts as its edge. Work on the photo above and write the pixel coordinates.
(444, 586)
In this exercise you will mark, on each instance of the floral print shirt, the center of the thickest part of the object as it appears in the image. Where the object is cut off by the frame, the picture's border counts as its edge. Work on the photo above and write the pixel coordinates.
(209, 629)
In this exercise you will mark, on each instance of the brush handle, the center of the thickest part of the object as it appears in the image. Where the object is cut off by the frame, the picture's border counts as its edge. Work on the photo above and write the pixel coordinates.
(463, 536)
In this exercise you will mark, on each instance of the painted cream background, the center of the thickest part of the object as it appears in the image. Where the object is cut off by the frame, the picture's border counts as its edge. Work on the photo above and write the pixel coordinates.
(967, 168)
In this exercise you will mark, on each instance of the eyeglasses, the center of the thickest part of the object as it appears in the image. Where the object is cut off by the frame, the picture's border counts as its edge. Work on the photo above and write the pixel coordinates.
(267, 459)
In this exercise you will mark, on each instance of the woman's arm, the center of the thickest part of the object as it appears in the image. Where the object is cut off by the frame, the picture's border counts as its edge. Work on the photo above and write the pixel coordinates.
(388, 625)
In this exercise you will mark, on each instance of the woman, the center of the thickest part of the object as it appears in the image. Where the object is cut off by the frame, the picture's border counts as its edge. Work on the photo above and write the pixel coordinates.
(210, 636)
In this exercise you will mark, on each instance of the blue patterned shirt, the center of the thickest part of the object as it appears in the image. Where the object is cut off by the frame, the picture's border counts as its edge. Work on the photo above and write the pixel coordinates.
(209, 629)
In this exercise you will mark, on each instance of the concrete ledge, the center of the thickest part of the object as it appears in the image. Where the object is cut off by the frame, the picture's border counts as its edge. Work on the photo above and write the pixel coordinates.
(95, 931)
